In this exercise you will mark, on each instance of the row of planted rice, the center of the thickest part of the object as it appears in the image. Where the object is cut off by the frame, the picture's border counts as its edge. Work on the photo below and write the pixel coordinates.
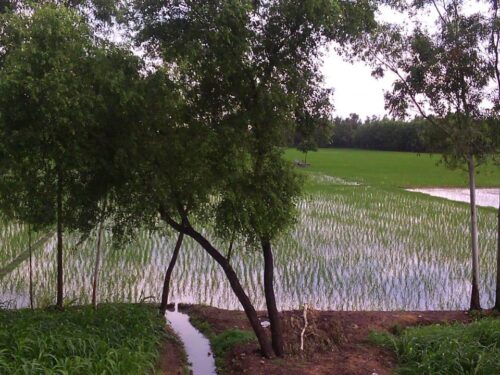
(355, 248)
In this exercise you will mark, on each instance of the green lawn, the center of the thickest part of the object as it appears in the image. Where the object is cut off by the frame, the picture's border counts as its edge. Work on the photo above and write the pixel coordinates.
(391, 169)
(115, 339)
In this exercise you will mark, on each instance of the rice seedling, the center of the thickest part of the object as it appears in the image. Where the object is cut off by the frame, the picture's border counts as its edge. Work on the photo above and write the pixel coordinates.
(354, 247)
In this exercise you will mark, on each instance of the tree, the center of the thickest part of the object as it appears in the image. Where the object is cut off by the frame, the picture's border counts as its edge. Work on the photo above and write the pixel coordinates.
(100, 11)
(245, 71)
(305, 145)
(61, 96)
(443, 74)
(494, 25)
(258, 208)
(45, 104)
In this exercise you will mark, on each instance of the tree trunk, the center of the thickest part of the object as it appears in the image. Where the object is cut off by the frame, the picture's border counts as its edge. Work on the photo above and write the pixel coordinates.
(238, 290)
(272, 310)
(96, 266)
(233, 281)
(31, 266)
(60, 290)
(168, 275)
(497, 292)
(475, 303)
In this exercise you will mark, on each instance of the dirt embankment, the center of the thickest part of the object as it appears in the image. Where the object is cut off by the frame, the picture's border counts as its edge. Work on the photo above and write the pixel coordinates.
(336, 342)
(172, 359)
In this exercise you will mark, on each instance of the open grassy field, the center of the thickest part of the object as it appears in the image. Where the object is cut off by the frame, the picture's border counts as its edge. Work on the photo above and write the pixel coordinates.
(392, 169)
(355, 247)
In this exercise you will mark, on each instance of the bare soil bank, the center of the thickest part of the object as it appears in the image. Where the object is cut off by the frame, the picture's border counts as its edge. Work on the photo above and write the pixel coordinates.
(336, 342)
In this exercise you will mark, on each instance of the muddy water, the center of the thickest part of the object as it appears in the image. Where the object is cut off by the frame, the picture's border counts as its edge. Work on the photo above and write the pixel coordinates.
(484, 197)
(196, 345)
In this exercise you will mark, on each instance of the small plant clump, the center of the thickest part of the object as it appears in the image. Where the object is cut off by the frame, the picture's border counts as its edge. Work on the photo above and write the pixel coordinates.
(319, 336)
(451, 349)
(114, 339)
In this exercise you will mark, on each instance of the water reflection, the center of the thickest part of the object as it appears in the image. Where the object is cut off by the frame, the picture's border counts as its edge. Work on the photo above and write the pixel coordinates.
(358, 249)
(196, 345)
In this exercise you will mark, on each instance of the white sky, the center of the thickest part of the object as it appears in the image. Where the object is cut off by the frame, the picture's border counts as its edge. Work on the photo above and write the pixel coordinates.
(356, 91)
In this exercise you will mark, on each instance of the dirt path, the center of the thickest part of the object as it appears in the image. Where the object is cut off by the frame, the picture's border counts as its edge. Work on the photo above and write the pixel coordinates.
(337, 344)
(172, 359)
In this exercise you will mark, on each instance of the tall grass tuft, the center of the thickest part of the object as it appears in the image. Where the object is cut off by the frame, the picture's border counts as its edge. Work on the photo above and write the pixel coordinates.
(115, 339)
(451, 349)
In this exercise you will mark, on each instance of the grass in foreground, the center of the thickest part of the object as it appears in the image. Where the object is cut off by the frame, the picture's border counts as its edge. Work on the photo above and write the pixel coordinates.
(391, 169)
(115, 339)
(452, 349)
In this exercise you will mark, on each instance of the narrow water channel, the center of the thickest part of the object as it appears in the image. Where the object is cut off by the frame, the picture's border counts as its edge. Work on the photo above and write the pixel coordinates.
(197, 346)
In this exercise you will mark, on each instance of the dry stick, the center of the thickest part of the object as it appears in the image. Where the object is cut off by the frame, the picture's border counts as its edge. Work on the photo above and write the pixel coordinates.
(31, 266)
(96, 267)
(60, 270)
(497, 291)
(304, 329)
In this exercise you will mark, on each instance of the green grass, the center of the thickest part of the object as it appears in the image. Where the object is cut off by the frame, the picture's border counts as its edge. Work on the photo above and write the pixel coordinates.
(391, 169)
(451, 349)
(115, 339)
(223, 342)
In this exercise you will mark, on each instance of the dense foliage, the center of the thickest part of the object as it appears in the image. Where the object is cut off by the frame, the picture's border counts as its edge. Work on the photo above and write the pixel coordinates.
(116, 339)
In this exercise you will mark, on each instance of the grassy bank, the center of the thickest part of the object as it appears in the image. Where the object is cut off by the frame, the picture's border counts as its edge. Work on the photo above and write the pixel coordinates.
(221, 342)
(115, 339)
(391, 169)
(448, 349)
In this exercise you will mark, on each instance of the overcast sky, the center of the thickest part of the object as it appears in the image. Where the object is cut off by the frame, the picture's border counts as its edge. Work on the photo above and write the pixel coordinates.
(356, 91)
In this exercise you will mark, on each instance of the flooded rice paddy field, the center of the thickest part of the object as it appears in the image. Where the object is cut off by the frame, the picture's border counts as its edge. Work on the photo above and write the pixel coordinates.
(484, 197)
(353, 248)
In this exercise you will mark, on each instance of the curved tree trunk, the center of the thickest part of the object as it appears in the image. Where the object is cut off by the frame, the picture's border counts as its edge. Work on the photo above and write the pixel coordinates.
(475, 303)
(233, 281)
(60, 278)
(96, 266)
(497, 292)
(238, 290)
(272, 310)
(168, 275)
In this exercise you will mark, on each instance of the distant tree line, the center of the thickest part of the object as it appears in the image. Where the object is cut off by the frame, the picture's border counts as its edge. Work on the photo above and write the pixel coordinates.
(375, 133)
(381, 134)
